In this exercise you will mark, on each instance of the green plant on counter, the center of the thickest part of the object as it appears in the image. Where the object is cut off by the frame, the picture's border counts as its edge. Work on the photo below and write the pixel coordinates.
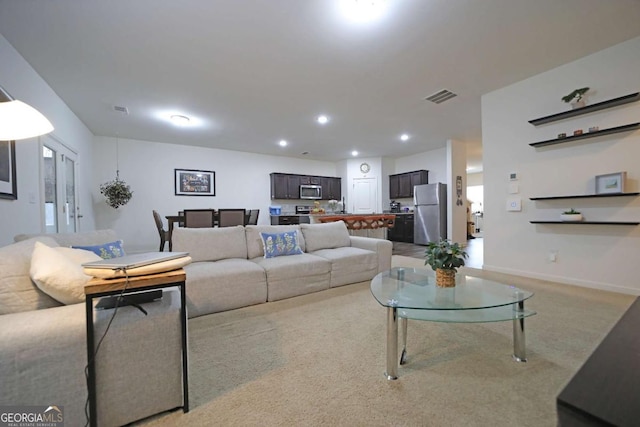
(571, 212)
(445, 255)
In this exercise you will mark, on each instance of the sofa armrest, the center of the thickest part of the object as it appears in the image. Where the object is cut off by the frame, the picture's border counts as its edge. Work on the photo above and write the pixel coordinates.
(42, 358)
(382, 247)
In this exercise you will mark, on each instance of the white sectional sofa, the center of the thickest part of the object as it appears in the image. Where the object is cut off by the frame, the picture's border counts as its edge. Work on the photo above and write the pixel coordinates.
(229, 269)
(43, 343)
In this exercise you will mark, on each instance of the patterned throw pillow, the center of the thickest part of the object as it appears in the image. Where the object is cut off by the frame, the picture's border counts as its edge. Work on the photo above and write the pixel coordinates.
(106, 250)
(279, 244)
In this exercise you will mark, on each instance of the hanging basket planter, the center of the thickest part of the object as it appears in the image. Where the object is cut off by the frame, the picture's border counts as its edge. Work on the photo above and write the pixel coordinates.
(117, 192)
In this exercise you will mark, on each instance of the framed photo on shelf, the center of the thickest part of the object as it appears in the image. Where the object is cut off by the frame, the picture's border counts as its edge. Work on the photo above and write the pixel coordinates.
(611, 183)
(8, 185)
(192, 182)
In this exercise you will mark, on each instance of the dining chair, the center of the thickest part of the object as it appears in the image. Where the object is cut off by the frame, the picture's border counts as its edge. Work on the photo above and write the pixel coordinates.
(199, 218)
(253, 217)
(164, 234)
(231, 217)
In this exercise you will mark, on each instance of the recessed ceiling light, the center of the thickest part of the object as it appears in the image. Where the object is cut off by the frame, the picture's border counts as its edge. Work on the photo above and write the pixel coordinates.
(363, 11)
(323, 119)
(179, 120)
(404, 137)
(283, 143)
(354, 153)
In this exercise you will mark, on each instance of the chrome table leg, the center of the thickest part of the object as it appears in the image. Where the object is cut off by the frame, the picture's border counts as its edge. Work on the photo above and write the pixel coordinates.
(519, 348)
(403, 325)
(392, 343)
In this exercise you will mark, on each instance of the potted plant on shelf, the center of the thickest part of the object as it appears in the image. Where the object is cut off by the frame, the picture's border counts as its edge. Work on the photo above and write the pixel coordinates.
(571, 215)
(444, 258)
(575, 98)
(117, 192)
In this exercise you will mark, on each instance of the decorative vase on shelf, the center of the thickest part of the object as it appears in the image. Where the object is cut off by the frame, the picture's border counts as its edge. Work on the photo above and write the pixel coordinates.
(571, 217)
(578, 104)
(445, 278)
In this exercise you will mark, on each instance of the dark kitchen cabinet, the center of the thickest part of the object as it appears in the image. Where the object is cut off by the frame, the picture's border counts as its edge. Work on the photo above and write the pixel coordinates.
(285, 219)
(285, 186)
(331, 188)
(401, 185)
(402, 231)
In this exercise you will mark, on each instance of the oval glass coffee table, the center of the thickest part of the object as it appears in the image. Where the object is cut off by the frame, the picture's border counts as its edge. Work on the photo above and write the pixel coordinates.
(411, 293)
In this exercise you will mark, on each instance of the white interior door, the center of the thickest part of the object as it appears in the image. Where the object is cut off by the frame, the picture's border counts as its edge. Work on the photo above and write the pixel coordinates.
(59, 165)
(365, 195)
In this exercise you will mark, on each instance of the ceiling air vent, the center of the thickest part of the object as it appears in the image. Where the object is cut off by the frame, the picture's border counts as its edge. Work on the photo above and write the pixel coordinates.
(440, 96)
(119, 109)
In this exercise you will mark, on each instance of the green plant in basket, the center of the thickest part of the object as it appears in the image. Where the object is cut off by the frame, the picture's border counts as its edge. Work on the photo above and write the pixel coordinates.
(445, 255)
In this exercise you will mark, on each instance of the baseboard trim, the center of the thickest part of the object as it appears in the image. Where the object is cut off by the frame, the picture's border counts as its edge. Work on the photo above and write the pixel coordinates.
(564, 280)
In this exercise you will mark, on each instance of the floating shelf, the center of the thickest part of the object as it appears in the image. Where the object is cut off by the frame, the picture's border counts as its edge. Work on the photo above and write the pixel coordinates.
(584, 196)
(609, 131)
(588, 109)
(587, 222)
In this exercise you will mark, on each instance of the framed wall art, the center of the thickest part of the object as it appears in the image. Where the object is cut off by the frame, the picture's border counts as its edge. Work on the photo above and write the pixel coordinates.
(192, 182)
(611, 183)
(8, 185)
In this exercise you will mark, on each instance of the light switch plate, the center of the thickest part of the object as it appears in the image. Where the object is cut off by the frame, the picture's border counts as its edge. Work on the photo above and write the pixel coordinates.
(514, 205)
(514, 188)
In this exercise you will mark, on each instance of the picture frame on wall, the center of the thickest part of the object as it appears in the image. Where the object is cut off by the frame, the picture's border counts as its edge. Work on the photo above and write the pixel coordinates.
(193, 182)
(611, 183)
(8, 184)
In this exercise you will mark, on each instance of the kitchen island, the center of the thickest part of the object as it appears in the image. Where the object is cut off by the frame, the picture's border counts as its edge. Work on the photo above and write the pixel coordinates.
(369, 225)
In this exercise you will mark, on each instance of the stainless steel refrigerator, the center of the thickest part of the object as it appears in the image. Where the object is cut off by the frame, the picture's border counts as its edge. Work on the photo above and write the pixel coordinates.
(430, 213)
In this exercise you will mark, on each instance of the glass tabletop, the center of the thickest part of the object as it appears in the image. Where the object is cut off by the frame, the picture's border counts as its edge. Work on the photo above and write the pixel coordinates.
(414, 289)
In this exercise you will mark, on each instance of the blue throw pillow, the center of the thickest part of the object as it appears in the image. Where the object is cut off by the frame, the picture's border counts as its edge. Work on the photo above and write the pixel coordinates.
(106, 250)
(279, 244)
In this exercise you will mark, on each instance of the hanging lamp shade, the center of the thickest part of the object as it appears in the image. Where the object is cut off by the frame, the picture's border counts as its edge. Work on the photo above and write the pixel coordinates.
(19, 120)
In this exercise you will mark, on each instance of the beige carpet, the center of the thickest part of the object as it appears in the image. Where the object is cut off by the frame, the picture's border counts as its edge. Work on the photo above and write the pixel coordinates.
(319, 359)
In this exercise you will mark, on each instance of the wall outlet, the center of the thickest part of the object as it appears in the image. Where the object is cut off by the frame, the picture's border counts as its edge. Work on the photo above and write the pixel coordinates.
(553, 256)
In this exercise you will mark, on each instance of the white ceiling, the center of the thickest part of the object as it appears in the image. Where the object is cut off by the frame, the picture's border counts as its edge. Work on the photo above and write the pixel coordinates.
(253, 72)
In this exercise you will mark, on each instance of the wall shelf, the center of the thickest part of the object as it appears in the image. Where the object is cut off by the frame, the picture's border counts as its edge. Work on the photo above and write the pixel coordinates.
(602, 132)
(584, 196)
(588, 109)
(587, 222)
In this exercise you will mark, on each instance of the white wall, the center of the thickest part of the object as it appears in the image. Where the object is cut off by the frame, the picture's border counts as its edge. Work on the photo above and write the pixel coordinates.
(600, 256)
(23, 83)
(242, 181)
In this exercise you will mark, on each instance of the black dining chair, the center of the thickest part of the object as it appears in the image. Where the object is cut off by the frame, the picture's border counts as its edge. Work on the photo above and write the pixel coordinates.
(231, 217)
(252, 217)
(164, 234)
(199, 218)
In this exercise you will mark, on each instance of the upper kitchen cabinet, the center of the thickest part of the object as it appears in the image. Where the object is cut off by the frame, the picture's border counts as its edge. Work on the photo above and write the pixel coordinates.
(287, 186)
(401, 185)
(331, 188)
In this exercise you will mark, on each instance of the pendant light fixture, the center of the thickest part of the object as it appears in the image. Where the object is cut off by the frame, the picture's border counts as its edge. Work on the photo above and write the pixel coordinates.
(19, 120)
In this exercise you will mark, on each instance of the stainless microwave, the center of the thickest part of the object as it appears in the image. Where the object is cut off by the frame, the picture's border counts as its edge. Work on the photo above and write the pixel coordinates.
(311, 192)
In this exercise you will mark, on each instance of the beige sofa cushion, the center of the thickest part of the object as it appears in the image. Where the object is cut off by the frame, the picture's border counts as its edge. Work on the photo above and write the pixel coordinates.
(255, 248)
(58, 272)
(210, 244)
(325, 236)
(17, 292)
(95, 237)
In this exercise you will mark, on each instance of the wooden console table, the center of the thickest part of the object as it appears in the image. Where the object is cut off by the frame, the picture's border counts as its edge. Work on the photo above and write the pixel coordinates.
(604, 392)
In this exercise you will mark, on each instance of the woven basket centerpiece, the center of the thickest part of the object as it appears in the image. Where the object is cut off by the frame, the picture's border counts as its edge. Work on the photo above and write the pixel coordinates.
(445, 278)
